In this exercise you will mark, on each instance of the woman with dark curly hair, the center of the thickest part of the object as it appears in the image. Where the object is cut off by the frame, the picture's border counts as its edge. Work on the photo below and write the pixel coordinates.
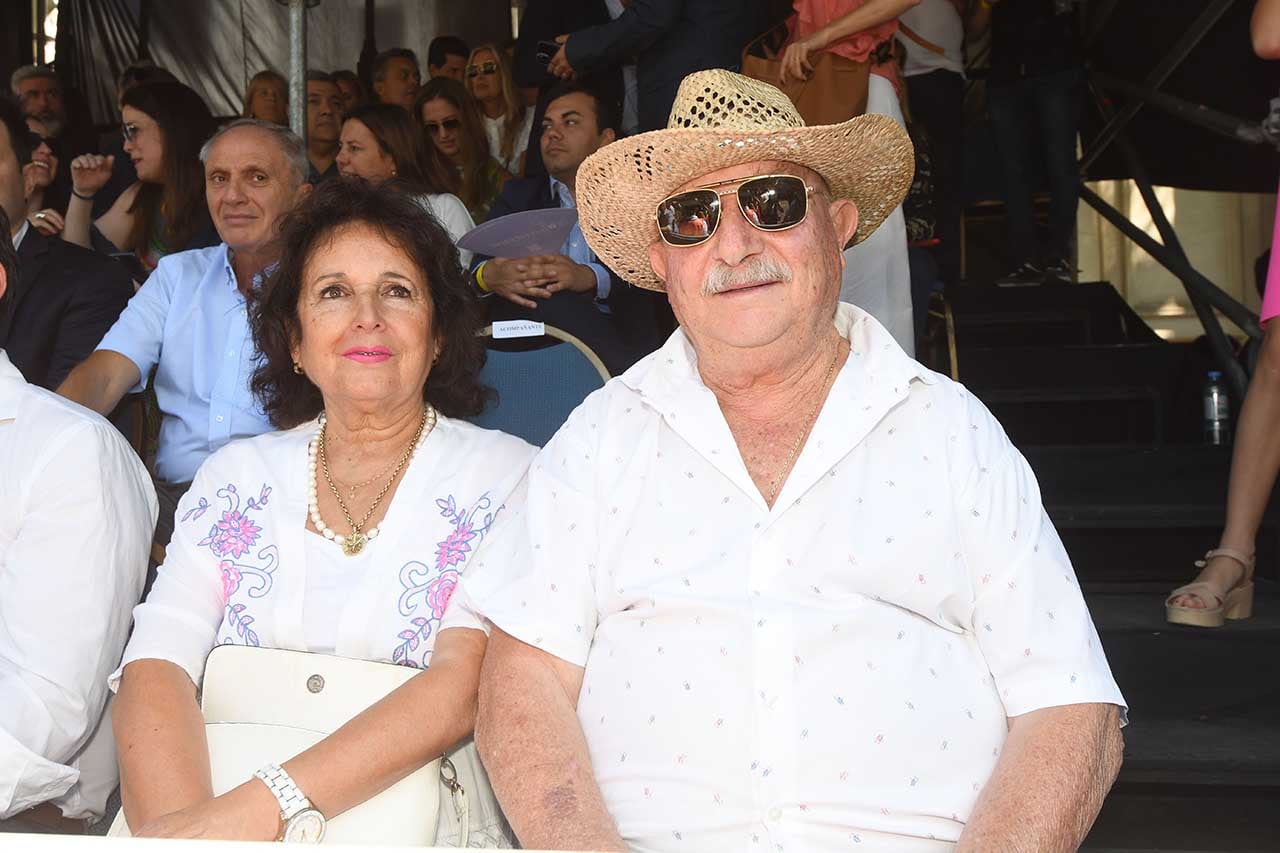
(342, 534)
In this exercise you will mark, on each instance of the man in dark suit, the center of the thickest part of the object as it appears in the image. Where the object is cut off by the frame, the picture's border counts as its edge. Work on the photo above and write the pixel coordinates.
(667, 40)
(572, 290)
(544, 20)
(65, 297)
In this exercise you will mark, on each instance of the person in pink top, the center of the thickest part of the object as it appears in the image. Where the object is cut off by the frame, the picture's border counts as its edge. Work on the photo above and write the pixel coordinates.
(1224, 588)
(851, 28)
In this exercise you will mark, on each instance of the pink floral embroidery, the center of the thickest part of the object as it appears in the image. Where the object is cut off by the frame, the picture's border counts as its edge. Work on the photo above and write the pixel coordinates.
(456, 547)
(439, 591)
(230, 580)
(234, 534)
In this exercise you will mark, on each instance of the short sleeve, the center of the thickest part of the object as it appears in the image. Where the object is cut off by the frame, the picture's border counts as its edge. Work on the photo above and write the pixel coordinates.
(535, 576)
(1030, 618)
(179, 620)
(138, 332)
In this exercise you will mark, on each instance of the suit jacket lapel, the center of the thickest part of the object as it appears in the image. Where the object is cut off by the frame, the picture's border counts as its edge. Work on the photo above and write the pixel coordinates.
(33, 255)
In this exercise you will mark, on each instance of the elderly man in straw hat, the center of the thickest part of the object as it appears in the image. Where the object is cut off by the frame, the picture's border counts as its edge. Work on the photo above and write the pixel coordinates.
(778, 587)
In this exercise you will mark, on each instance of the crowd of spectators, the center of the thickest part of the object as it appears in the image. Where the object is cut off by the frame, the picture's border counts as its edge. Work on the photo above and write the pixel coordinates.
(141, 259)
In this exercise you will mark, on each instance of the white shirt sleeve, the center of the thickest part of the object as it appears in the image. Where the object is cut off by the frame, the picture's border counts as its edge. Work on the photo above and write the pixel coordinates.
(453, 215)
(67, 584)
(534, 577)
(179, 620)
(1029, 616)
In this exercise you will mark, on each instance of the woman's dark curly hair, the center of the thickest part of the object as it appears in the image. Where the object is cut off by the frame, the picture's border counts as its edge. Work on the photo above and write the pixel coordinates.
(453, 386)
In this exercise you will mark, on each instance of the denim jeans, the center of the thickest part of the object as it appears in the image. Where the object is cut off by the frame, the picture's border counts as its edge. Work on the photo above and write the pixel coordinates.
(1043, 109)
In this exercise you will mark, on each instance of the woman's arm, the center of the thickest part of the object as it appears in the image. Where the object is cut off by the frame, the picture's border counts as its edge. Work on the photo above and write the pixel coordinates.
(164, 759)
(1264, 28)
(410, 727)
(795, 61)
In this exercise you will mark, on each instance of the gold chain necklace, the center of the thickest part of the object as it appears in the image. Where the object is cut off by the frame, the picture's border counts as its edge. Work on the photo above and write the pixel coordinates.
(355, 487)
(354, 542)
(776, 483)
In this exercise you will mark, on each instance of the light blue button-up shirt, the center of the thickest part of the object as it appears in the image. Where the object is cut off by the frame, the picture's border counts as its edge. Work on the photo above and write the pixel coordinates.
(190, 323)
(576, 249)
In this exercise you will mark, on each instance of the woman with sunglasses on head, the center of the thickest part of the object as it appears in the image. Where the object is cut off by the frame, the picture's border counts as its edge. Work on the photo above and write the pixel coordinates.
(165, 123)
(454, 128)
(507, 120)
(379, 142)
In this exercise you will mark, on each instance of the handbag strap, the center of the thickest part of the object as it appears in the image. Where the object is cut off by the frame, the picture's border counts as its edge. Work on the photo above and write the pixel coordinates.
(760, 40)
(458, 796)
(920, 40)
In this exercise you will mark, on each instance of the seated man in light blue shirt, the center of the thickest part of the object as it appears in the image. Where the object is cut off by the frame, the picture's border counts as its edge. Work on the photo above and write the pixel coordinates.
(189, 321)
(572, 290)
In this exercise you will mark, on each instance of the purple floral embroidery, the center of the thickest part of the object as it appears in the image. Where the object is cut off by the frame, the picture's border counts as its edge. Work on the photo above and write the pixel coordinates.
(232, 538)
(431, 587)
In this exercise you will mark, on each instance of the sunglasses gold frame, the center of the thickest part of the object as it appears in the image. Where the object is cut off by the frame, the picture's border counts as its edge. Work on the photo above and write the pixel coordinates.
(486, 68)
(741, 182)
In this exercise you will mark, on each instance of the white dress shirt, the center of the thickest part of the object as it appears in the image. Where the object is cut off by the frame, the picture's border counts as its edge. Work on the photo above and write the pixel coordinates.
(836, 672)
(451, 213)
(493, 130)
(77, 511)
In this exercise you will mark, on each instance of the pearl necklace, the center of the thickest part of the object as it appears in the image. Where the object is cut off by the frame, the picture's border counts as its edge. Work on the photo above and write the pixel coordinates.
(354, 542)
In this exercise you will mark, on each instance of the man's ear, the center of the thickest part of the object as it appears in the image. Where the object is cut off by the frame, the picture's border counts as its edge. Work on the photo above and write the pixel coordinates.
(844, 218)
(607, 137)
(658, 259)
(304, 189)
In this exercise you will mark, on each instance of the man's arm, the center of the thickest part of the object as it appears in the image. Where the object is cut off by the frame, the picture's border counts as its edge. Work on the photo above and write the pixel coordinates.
(532, 745)
(101, 381)
(99, 297)
(1048, 786)
(70, 580)
(616, 42)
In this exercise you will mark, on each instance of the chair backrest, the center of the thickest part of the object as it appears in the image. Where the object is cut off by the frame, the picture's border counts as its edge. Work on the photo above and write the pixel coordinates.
(539, 383)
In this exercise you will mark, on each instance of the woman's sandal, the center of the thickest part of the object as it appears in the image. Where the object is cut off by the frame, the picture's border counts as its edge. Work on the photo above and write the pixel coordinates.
(1237, 604)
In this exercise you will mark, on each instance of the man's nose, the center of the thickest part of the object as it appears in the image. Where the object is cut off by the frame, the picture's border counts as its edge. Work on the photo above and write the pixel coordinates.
(735, 238)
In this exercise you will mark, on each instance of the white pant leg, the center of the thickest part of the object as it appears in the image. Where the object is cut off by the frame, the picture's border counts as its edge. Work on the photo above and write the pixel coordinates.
(877, 277)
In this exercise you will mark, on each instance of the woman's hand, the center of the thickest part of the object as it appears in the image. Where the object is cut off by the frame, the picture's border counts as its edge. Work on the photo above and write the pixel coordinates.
(246, 813)
(48, 222)
(90, 172)
(796, 63)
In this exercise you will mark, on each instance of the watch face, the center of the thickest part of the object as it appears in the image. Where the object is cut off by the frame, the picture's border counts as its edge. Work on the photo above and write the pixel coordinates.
(305, 828)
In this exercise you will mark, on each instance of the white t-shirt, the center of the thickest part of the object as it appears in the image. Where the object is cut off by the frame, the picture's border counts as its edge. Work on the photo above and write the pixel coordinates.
(936, 21)
(493, 129)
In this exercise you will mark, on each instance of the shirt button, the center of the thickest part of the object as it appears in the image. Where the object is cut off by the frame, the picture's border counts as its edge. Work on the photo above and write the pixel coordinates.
(775, 814)
(218, 418)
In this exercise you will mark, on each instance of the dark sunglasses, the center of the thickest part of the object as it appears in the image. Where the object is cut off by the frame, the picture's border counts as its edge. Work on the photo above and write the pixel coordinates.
(768, 202)
(129, 131)
(483, 68)
(449, 124)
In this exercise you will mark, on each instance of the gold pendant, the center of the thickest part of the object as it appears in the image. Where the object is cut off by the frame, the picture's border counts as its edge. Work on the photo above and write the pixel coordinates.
(354, 543)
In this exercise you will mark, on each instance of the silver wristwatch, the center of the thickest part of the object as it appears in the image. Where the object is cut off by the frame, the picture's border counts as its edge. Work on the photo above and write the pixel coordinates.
(300, 821)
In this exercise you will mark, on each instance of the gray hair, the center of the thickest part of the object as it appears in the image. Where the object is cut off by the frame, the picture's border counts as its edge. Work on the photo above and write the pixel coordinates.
(30, 72)
(291, 145)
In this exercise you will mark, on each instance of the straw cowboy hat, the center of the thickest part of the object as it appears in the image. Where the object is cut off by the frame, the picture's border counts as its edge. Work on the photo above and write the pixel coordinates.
(723, 119)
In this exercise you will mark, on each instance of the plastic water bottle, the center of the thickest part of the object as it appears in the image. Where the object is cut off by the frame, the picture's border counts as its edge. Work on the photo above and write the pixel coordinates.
(1217, 410)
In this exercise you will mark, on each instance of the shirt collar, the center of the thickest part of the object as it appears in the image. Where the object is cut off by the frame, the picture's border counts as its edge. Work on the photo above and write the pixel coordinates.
(256, 280)
(875, 379)
(11, 384)
(874, 356)
(560, 192)
(22, 232)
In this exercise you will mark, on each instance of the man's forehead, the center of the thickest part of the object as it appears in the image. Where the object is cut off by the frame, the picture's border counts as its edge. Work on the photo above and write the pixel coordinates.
(744, 171)
(244, 149)
(41, 84)
(323, 87)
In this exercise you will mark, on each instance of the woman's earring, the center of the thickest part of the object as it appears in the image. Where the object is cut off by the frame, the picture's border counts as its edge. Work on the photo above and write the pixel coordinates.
(297, 368)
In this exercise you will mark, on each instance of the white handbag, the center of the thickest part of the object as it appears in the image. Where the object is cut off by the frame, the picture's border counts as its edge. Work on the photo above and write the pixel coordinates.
(265, 706)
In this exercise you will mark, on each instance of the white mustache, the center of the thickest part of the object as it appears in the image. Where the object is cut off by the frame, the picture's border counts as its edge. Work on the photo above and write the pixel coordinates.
(754, 271)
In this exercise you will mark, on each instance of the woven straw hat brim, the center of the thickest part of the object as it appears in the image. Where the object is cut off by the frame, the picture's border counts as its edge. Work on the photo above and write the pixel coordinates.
(868, 159)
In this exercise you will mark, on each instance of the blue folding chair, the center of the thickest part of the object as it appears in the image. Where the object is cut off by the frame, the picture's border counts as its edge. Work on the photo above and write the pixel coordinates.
(539, 381)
